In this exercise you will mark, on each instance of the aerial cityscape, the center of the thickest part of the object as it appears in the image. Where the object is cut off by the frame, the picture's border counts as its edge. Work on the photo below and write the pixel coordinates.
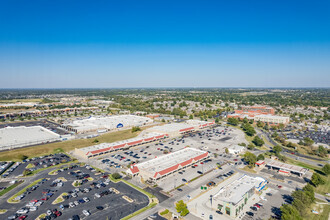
(164, 110)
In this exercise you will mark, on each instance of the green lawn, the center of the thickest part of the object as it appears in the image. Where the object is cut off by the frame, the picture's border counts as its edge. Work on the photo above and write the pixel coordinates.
(323, 209)
(308, 166)
(323, 189)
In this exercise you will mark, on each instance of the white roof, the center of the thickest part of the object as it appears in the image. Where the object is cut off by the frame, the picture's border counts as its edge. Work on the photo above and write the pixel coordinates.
(236, 148)
(285, 166)
(175, 127)
(169, 160)
(109, 122)
(234, 192)
(107, 145)
(271, 116)
(23, 136)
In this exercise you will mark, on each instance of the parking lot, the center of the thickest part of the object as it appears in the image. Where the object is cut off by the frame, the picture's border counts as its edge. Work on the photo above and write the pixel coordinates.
(317, 136)
(98, 196)
(35, 163)
(213, 140)
(268, 206)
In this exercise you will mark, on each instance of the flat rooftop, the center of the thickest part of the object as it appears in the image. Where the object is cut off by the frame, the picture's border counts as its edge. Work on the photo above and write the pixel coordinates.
(24, 136)
(170, 160)
(176, 127)
(118, 143)
(235, 191)
(110, 122)
(285, 166)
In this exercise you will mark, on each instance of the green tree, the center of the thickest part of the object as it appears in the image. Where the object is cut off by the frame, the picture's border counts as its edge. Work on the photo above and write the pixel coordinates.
(289, 212)
(300, 206)
(23, 157)
(326, 169)
(277, 149)
(251, 146)
(116, 175)
(317, 179)
(260, 157)
(322, 151)
(181, 208)
(248, 129)
(233, 121)
(191, 117)
(26, 172)
(309, 190)
(258, 141)
(135, 129)
(227, 151)
(308, 141)
(95, 141)
(302, 196)
(250, 158)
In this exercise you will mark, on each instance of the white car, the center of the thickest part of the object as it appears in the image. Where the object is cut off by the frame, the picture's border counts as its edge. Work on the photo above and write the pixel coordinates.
(86, 213)
(39, 203)
(97, 195)
(33, 208)
(49, 212)
(86, 199)
(71, 205)
(76, 202)
(22, 211)
(263, 198)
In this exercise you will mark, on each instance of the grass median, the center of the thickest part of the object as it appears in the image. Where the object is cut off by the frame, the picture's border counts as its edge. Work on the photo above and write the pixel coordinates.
(13, 200)
(151, 205)
(3, 192)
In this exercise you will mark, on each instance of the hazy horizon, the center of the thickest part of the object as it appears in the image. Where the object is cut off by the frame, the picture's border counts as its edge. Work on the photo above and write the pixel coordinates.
(111, 44)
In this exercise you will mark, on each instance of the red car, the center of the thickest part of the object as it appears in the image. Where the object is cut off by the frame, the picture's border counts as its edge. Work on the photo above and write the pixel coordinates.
(22, 217)
(202, 162)
(44, 198)
(279, 186)
(195, 165)
(256, 205)
(58, 213)
(105, 176)
(235, 159)
(34, 200)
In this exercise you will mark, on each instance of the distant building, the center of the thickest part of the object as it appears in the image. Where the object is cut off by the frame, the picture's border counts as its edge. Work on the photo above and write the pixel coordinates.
(176, 129)
(95, 124)
(272, 119)
(258, 109)
(232, 198)
(260, 113)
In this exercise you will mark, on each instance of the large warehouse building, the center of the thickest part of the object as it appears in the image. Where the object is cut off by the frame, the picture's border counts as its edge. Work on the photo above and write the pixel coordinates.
(100, 149)
(102, 124)
(14, 137)
(233, 197)
(165, 165)
(176, 129)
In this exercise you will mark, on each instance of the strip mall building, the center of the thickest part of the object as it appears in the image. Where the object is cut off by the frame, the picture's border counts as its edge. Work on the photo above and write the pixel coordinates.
(160, 167)
(104, 148)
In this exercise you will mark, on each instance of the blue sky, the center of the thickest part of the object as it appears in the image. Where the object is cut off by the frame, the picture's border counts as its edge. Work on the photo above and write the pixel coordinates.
(63, 43)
